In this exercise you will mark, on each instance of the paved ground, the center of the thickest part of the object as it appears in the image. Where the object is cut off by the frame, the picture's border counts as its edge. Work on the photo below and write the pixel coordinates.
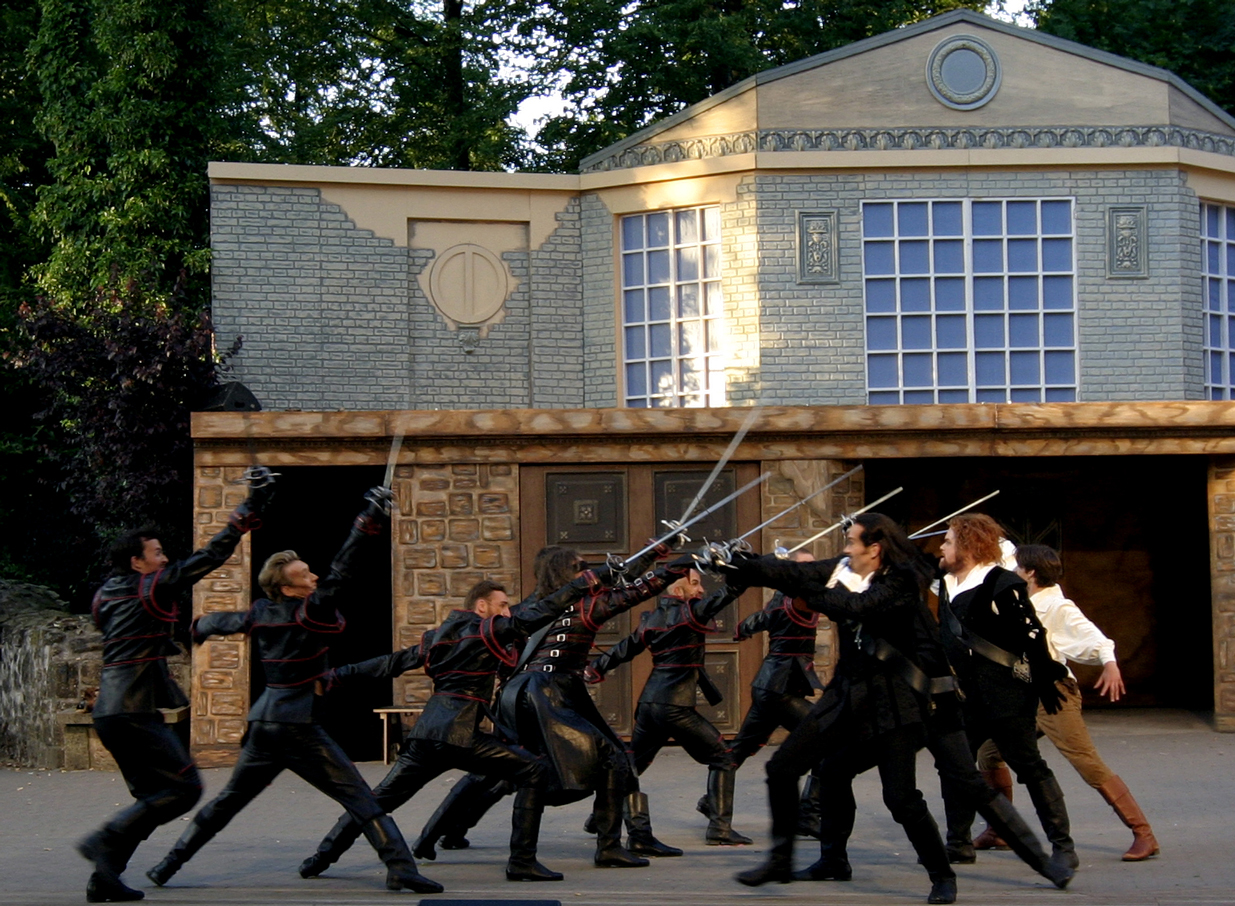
(1178, 768)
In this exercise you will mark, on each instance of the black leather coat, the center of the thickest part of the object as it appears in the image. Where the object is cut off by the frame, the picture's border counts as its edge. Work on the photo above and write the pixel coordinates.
(789, 666)
(675, 633)
(137, 615)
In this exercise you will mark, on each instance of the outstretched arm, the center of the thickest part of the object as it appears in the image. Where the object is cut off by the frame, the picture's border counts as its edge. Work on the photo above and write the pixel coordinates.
(619, 654)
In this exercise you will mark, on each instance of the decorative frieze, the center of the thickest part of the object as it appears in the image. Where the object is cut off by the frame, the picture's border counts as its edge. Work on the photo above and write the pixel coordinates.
(1126, 235)
(817, 237)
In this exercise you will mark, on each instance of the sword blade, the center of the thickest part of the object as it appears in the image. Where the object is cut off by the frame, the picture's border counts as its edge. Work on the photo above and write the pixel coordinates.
(708, 512)
(393, 459)
(920, 533)
(834, 526)
(807, 499)
(724, 459)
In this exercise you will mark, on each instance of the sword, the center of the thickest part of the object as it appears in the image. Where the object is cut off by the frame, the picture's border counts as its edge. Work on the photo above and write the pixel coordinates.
(723, 550)
(382, 496)
(255, 476)
(921, 533)
(848, 520)
(724, 459)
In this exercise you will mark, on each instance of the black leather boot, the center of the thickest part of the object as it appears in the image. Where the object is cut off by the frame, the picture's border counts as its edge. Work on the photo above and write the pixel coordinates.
(464, 806)
(608, 814)
(195, 836)
(720, 827)
(1048, 803)
(524, 837)
(384, 836)
(923, 834)
(1005, 821)
(639, 837)
(101, 889)
(808, 808)
(958, 809)
(338, 841)
(778, 867)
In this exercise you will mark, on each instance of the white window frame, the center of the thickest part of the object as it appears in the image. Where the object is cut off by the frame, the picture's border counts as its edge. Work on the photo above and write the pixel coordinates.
(968, 390)
(1218, 298)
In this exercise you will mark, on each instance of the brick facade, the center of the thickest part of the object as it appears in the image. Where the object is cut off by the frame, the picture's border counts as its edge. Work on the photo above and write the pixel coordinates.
(1222, 579)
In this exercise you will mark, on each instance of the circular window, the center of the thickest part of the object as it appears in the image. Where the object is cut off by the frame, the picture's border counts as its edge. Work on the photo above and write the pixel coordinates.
(468, 284)
(963, 72)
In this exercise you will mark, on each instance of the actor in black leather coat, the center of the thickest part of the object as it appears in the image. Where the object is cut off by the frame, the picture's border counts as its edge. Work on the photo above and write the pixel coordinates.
(136, 609)
(462, 656)
(675, 632)
(291, 631)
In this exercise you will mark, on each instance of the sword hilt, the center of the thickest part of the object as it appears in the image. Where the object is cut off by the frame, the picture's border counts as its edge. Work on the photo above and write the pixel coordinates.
(675, 528)
(257, 477)
(381, 497)
(781, 552)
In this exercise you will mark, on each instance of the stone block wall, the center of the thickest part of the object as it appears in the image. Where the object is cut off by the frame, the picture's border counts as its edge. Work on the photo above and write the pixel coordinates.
(455, 525)
(1222, 584)
(220, 698)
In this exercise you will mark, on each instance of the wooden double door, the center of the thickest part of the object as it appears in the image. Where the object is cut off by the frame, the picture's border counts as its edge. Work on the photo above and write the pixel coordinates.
(615, 509)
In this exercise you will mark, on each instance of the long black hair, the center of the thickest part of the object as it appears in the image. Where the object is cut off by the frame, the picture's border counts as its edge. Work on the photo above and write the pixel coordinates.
(554, 567)
(897, 551)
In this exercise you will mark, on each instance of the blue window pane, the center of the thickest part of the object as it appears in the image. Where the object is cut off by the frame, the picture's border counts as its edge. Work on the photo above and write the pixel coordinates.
(1215, 368)
(1026, 395)
(659, 303)
(1230, 325)
(636, 379)
(881, 371)
(916, 333)
(883, 398)
(711, 224)
(688, 301)
(947, 218)
(950, 332)
(1056, 292)
(915, 295)
(953, 370)
(953, 396)
(988, 256)
(658, 267)
(988, 370)
(1022, 255)
(1022, 218)
(633, 304)
(688, 263)
(632, 269)
(880, 295)
(637, 403)
(915, 258)
(880, 333)
(988, 331)
(1230, 223)
(950, 257)
(1214, 336)
(1023, 367)
(1213, 252)
(987, 218)
(1215, 294)
(1057, 217)
(1060, 368)
(911, 218)
(662, 379)
(918, 371)
(636, 345)
(687, 226)
(988, 293)
(1023, 331)
(1057, 330)
(661, 341)
(1211, 220)
(919, 397)
(876, 221)
(991, 396)
(1230, 295)
(879, 259)
(1022, 293)
(632, 233)
(950, 294)
(1056, 254)
(1230, 260)
(1060, 395)
(690, 343)
(658, 230)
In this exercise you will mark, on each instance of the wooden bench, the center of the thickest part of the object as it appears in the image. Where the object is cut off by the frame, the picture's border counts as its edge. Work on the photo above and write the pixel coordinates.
(396, 719)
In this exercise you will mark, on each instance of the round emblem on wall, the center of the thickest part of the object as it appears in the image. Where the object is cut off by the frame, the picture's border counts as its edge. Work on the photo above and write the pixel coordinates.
(963, 72)
(468, 284)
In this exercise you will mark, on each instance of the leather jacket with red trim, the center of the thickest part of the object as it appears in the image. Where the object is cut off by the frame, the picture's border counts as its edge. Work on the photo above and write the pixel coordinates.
(675, 632)
(137, 615)
(789, 666)
(463, 657)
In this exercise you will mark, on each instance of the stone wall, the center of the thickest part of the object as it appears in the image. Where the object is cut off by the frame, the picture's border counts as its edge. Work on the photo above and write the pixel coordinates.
(1222, 584)
(455, 525)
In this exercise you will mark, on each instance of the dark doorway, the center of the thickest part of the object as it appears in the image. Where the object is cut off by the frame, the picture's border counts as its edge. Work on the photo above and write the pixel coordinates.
(312, 514)
(1132, 533)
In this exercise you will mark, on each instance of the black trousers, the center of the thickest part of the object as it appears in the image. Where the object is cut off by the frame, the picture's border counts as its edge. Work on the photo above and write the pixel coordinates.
(269, 749)
(768, 711)
(421, 760)
(656, 724)
(158, 771)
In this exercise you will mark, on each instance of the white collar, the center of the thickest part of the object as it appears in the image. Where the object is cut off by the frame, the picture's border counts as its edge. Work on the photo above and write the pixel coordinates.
(973, 580)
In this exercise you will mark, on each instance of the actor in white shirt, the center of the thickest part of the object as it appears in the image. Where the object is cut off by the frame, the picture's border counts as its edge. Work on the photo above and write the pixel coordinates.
(1071, 636)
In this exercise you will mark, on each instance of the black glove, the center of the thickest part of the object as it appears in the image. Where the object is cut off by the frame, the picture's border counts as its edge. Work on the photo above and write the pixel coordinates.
(261, 487)
(592, 676)
(198, 637)
(604, 574)
(381, 499)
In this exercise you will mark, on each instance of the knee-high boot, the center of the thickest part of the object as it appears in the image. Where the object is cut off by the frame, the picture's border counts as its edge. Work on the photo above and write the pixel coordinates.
(195, 836)
(524, 838)
(958, 810)
(639, 837)
(1119, 797)
(110, 848)
(461, 810)
(1004, 820)
(384, 836)
(720, 825)
(338, 841)
(808, 808)
(835, 829)
(607, 811)
(1048, 803)
(999, 780)
(923, 834)
(783, 800)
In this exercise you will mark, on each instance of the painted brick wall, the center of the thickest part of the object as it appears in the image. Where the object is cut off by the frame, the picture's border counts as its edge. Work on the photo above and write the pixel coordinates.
(600, 318)
(1222, 582)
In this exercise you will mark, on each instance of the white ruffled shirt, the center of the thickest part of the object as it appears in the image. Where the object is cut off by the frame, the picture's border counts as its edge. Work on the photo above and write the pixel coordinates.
(843, 575)
(1070, 635)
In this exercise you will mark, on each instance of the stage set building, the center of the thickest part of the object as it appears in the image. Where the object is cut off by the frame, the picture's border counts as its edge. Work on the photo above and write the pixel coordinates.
(964, 255)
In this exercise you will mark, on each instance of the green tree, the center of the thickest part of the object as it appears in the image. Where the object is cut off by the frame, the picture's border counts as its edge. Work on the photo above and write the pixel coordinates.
(1191, 38)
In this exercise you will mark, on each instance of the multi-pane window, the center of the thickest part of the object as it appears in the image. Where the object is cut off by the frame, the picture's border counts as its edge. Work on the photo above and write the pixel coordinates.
(1218, 267)
(672, 316)
(970, 300)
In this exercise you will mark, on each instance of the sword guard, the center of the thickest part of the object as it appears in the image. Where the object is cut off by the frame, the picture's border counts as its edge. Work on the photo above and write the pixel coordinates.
(715, 553)
(257, 477)
(382, 498)
(846, 522)
(617, 566)
(782, 553)
(675, 528)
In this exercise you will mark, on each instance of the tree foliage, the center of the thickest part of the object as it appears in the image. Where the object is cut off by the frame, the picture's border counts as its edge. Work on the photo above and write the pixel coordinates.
(1191, 38)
